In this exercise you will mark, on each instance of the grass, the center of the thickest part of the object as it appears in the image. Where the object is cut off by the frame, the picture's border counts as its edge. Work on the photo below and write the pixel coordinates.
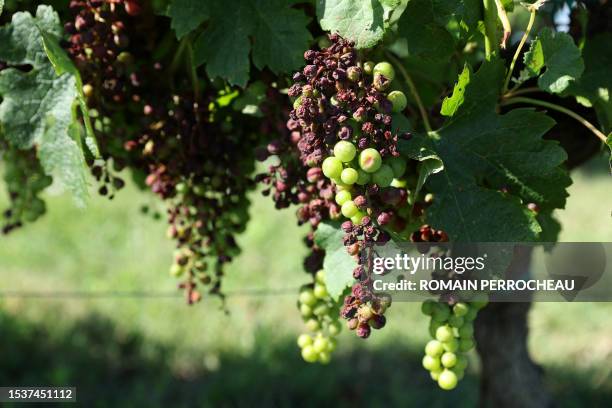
(158, 351)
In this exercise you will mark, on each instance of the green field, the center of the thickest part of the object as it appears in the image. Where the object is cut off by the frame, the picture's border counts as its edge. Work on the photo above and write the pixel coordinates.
(157, 351)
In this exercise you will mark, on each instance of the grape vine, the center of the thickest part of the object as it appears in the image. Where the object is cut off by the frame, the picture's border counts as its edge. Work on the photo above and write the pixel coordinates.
(379, 121)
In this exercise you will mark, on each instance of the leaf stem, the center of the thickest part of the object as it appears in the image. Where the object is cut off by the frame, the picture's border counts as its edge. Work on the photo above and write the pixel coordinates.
(512, 93)
(193, 72)
(519, 48)
(490, 23)
(413, 90)
(557, 108)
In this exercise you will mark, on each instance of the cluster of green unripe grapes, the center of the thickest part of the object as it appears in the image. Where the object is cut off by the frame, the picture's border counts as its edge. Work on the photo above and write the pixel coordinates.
(320, 314)
(452, 329)
(348, 167)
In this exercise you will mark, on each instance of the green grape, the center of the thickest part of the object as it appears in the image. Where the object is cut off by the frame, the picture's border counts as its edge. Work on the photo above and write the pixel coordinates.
(433, 326)
(349, 176)
(312, 325)
(332, 167)
(342, 197)
(297, 102)
(321, 310)
(368, 67)
(363, 179)
(324, 357)
(461, 309)
(459, 373)
(479, 300)
(455, 321)
(441, 312)
(449, 359)
(304, 340)
(444, 333)
(309, 354)
(434, 348)
(320, 291)
(462, 362)
(181, 188)
(383, 176)
(320, 344)
(341, 186)
(427, 307)
(305, 310)
(357, 218)
(471, 315)
(447, 380)
(334, 328)
(452, 345)
(435, 374)
(331, 345)
(307, 297)
(320, 277)
(386, 69)
(176, 270)
(466, 344)
(467, 330)
(349, 209)
(399, 183)
(431, 363)
(345, 151)
(370, 160)
(398, 100)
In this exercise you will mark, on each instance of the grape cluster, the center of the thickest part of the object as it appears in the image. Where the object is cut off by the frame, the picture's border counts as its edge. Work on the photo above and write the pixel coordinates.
(25, 180)
(320, 314)
(175, 136)
(452, 329)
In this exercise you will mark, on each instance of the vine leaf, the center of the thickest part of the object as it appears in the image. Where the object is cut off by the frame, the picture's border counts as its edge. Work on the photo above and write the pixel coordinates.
(453, 102)
(425, 36)
(594, 88)
(338, 264)
(557, 52)
(37, 105)
(187, 15)
(484, 152)
(361, 21)
(275, 33)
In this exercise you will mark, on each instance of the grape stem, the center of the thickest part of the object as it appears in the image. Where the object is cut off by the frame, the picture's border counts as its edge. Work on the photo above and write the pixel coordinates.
(557, 108)
(413, 90)
(519, 48)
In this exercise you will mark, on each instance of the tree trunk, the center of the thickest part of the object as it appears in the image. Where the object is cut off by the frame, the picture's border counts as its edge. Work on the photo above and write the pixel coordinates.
(510, 379)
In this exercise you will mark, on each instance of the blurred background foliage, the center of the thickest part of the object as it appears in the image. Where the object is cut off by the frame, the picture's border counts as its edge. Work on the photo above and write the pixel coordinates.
(157, 351)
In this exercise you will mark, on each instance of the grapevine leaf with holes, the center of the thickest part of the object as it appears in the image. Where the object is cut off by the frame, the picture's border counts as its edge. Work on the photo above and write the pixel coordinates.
(37, 105)
(187, 15)
(594, 88)
(484, 152)
(561, 57)
(270, 30)
(361, 21)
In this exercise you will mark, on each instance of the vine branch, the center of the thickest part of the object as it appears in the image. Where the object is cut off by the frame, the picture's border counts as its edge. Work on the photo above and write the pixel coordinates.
(413, 90)
(520, 47)
(557, 108)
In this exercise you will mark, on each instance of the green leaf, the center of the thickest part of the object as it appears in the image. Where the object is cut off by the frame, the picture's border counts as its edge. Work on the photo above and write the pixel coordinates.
(484, 152)
(426, 37)
(37, 105)
(338, 264)
(609, 143)
(277, 34)
(453, 102)
(557, 52)
(187, 15)
(361, 21)
(594, 88)
(248, 103)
